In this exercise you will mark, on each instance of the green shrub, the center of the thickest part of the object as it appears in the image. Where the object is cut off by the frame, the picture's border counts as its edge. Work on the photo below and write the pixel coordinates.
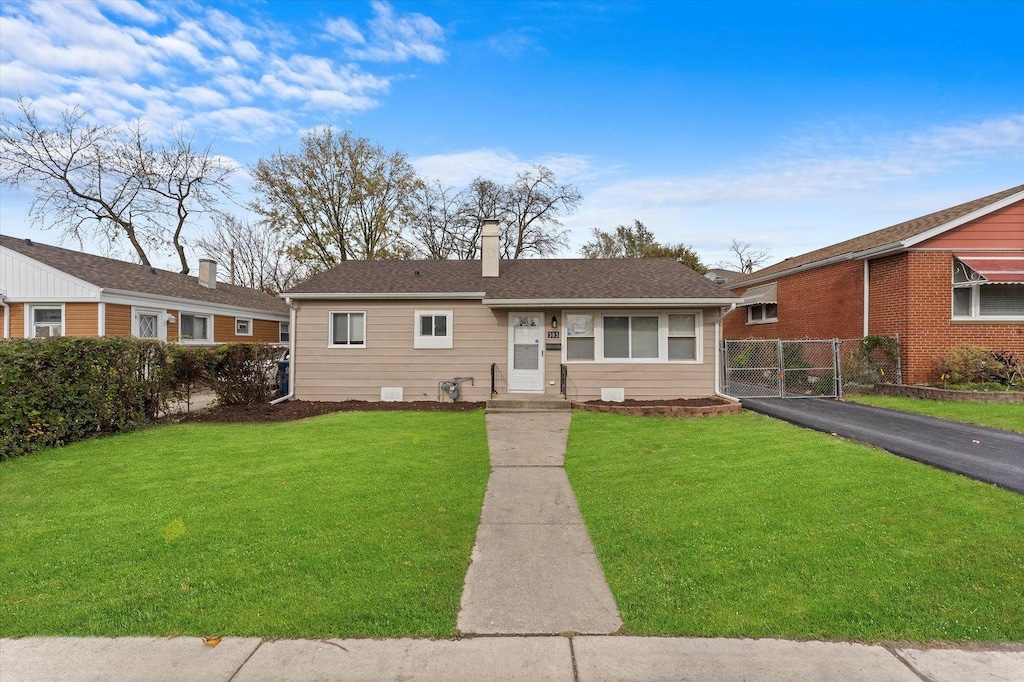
(60, 390)
(188, 369)
(242, 373)
(971, 365)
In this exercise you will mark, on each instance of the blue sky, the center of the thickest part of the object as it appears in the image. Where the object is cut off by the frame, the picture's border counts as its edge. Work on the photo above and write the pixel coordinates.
(788, 125)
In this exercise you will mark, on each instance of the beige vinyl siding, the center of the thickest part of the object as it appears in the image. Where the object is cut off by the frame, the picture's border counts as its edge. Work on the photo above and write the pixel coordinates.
(480, 337)
(389, 359)
(647, 381)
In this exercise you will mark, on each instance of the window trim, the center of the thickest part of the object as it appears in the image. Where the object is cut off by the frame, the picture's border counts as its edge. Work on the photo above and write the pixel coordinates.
(243, 319)
(209, 328)
(281, 333)
(764, 312)
(30, 320)
(975, 315)
(663, 336)
(161, 322)
(420, 341)
(330, 330)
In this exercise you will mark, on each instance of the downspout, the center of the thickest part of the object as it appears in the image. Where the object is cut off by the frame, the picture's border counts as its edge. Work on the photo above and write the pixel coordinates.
(7, 316)
(291, 355)
(867, 279)
(718, 355)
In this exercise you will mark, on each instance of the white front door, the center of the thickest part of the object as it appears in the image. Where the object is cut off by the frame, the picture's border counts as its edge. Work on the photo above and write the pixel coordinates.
(526, 352)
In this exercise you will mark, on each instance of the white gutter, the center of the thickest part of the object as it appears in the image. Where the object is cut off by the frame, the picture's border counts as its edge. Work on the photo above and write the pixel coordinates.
(7, 316)
(291, 355)
(608, 302)
(474, 295)
(718, 356)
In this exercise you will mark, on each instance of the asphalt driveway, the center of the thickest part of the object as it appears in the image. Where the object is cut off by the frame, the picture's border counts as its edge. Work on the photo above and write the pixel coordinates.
(979, 452)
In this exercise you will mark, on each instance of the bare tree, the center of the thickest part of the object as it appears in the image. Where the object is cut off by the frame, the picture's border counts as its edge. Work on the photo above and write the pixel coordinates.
(440, 225)
(340, 197)
(745, 258)
(534, 203)
(187, 180)
(91, 180)
(256, 255)
(79, 178)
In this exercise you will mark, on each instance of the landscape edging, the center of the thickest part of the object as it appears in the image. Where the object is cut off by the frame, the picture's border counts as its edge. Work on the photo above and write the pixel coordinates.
(929, 393)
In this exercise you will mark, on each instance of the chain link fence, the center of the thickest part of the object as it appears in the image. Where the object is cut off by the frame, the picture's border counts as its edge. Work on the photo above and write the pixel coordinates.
(808, 368)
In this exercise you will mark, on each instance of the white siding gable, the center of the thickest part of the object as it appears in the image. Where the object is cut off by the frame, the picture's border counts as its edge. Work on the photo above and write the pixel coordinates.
(22, 278)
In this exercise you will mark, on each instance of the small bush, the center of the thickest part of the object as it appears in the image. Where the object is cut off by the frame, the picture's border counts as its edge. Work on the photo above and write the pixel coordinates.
(242, 373)
(966, 365)
(188, 370)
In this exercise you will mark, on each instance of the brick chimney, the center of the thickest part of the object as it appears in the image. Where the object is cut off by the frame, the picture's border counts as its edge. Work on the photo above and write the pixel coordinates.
(208, 273)
(489, 249)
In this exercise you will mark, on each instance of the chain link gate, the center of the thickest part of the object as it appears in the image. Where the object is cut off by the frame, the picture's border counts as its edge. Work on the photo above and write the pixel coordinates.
(809, 368)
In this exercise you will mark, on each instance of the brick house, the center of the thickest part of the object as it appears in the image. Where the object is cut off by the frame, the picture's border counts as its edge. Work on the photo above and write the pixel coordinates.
(946, 279)
(49, 291)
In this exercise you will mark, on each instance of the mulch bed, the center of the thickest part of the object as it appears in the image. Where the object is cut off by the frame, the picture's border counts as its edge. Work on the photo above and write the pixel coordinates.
(678, 402)
(300, 409)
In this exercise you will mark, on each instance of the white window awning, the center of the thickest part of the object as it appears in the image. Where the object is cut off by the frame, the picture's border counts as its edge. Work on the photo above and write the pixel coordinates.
(759, 295)
(995, 268)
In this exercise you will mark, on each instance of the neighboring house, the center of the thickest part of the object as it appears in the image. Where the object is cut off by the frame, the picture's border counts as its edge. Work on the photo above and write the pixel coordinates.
(50, 291)
(392, 330)
(720, 276)
(949, 278)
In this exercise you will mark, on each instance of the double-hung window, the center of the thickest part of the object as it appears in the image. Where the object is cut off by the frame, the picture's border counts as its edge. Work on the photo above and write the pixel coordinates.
(348, 329)
(762, 312)
(432, 329)
(284, 332)
(579, 336)
(632, 337)
(195, 328)
(975, 297)
(47, 321)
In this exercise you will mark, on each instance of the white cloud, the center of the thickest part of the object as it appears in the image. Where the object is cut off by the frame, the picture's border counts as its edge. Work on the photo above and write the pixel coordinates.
(344, 30)
(123, 60)
(393, 37)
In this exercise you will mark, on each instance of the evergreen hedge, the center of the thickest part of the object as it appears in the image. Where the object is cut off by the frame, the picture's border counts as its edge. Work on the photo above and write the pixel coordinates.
(60, 390)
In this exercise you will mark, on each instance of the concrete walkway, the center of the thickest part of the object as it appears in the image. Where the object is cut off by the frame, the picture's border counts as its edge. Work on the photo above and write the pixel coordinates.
(533, 568)
(530, 659)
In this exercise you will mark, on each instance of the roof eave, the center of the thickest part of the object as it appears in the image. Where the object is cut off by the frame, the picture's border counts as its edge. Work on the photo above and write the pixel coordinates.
(608, 302)
(421, 295)
(188, 302)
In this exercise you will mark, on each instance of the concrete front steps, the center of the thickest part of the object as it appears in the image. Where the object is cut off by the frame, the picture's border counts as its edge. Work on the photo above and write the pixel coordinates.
(527, 402)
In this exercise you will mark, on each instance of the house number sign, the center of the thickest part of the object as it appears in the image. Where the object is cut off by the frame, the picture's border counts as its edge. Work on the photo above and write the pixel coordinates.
(552, 335)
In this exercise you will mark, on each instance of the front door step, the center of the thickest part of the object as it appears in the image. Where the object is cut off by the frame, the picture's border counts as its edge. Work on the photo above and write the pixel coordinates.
(525, 402)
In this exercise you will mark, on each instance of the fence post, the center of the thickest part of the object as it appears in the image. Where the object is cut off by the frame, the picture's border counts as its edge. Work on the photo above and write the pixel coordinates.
(781, 374)
(837, 366)
(899, 361)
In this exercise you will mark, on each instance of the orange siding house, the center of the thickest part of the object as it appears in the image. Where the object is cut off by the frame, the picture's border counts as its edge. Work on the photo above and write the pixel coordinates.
(50, 291)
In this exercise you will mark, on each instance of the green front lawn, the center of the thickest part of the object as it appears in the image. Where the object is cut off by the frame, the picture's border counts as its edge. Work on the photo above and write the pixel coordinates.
(747, 526)
(1009, 416)
(354, 524)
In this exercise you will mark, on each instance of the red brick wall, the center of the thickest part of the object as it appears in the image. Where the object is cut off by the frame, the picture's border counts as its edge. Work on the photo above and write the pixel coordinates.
(929, 332)
(823, 303)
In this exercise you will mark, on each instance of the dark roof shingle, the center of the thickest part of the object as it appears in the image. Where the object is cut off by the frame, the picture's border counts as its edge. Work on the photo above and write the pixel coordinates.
(888, 235)
(108, 273)
(523, 279)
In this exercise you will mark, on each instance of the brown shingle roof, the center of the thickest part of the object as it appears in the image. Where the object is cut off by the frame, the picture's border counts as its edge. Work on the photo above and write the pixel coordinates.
(527, 279)
(108, 273)
(888, 235)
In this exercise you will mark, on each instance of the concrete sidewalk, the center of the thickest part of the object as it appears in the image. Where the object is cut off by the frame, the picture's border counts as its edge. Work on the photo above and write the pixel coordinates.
(530, 659)
(533, 568)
